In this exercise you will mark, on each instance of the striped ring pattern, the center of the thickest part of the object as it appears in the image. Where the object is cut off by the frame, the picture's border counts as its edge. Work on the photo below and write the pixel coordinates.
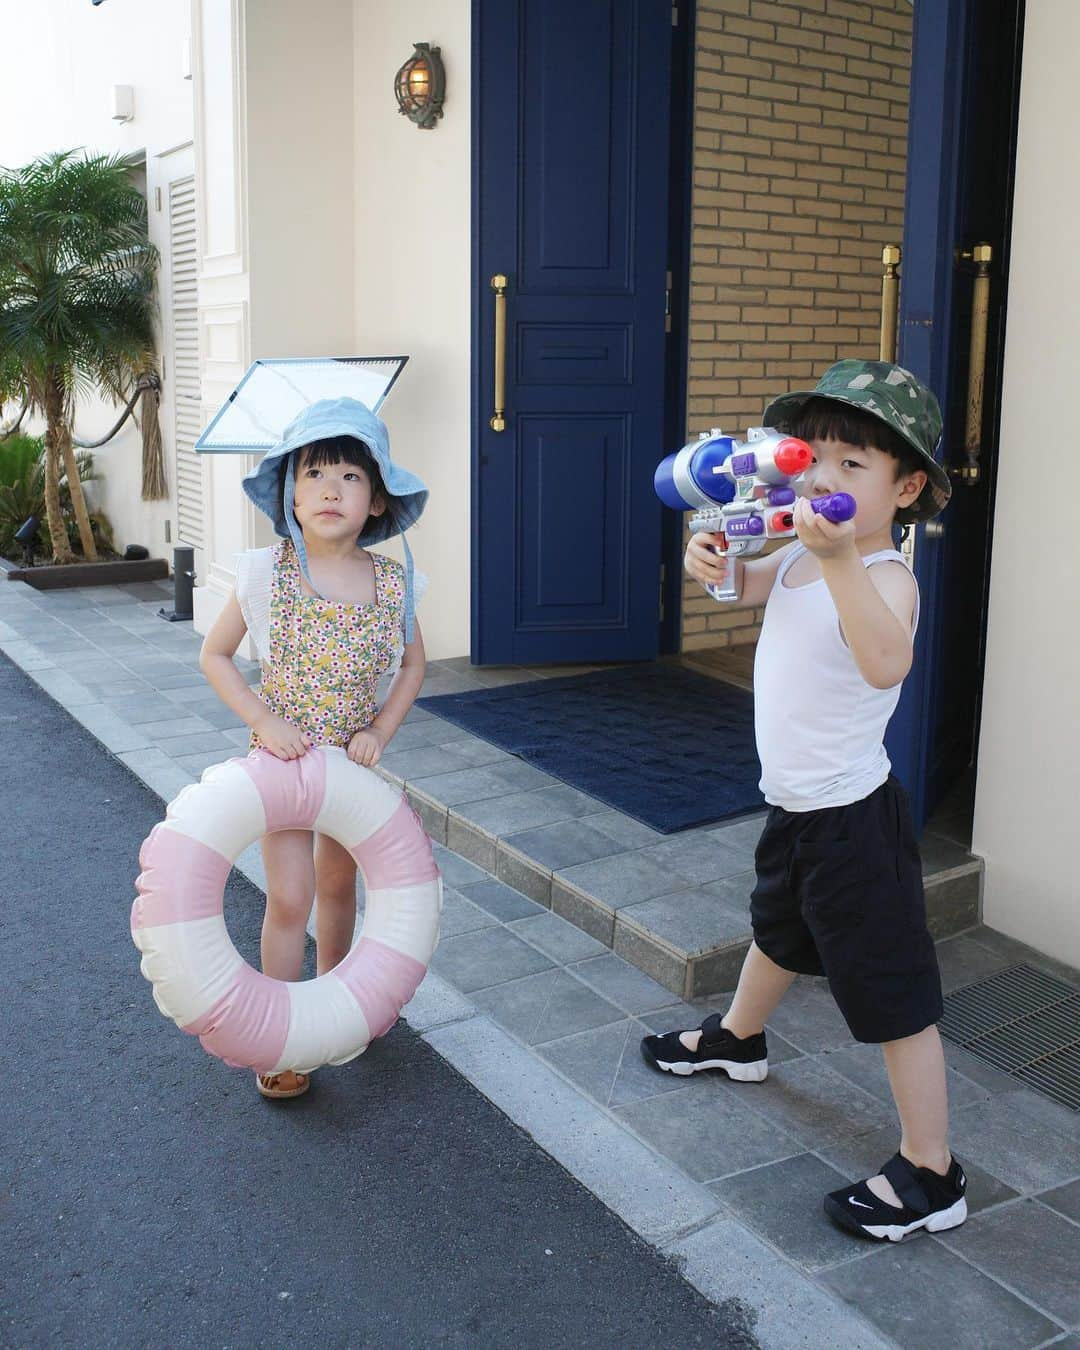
(199, 978)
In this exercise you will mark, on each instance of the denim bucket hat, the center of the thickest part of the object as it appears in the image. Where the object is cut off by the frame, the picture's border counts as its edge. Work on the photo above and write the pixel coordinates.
(271, 484)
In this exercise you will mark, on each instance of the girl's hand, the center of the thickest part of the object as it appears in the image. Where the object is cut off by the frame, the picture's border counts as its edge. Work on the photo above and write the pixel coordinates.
(281, 738)
(703, 562)
(821, 536)
(366, 747)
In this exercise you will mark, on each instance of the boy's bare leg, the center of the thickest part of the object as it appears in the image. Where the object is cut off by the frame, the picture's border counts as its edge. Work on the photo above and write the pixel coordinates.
(335, 915)
(762, 984)
(916, 1067)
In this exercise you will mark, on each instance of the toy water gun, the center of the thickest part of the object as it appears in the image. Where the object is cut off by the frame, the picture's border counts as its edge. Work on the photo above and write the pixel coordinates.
(743, 491)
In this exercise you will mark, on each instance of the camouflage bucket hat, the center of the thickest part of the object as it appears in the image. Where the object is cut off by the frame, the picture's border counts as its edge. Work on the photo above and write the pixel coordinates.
(901, 401)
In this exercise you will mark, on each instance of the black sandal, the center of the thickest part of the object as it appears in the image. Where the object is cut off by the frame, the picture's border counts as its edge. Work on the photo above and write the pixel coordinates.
(930, 1201)
(746, 1060)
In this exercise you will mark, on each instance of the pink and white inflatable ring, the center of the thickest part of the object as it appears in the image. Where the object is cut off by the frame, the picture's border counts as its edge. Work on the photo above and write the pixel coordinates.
(177, 922)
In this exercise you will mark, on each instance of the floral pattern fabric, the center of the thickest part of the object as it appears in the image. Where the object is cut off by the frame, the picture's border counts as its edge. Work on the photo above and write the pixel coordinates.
(326, 657)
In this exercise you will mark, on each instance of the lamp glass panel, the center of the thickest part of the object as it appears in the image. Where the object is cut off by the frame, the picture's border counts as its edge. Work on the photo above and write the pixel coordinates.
(273, 391)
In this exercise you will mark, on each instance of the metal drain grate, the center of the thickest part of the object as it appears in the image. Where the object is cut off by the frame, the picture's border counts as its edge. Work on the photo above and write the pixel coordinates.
(1025, 1022)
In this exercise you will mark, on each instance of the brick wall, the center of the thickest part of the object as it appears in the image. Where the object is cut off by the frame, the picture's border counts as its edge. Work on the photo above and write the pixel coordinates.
(800, 141)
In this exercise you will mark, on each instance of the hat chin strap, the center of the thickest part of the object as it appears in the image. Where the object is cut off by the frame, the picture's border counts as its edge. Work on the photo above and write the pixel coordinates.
(297, 537)
(295, 532)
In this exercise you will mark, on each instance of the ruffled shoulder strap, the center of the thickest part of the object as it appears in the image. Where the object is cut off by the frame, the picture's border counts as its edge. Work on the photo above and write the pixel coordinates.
(420, 585)
(254, 583)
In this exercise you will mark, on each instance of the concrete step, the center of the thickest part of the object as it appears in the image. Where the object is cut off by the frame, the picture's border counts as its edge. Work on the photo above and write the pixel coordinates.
(663, 906)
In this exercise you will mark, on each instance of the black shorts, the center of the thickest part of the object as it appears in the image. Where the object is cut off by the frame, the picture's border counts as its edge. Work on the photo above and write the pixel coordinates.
(839, 893)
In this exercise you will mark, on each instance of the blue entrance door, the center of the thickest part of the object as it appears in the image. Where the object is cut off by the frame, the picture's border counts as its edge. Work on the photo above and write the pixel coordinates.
(571, 206)
(961, 144)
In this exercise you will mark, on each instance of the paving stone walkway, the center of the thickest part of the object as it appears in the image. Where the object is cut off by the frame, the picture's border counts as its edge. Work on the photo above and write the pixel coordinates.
(546, 1020)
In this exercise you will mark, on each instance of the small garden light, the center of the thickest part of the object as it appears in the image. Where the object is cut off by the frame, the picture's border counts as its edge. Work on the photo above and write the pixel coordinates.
(25, 535)
(420, 86)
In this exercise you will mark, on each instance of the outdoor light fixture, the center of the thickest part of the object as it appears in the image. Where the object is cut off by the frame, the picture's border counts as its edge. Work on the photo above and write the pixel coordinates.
(25, 536)
(123, 103)
(420, 86)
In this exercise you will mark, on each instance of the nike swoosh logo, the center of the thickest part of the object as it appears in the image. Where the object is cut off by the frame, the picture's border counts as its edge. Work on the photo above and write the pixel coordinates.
(853, 1201)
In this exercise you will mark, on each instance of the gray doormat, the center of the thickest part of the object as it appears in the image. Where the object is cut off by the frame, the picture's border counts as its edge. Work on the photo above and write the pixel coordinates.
(1024, 1022)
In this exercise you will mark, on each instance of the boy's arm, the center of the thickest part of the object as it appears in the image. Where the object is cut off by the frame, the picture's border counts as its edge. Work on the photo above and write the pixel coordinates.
(754, 579)
(875, 605)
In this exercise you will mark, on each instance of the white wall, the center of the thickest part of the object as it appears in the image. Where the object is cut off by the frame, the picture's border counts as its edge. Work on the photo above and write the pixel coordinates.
(275, 133)
(61, 59)
(353, 237)
(1029, 755)
(413, 246)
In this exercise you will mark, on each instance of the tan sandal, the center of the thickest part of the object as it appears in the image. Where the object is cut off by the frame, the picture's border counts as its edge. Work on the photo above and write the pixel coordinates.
(284, 1084)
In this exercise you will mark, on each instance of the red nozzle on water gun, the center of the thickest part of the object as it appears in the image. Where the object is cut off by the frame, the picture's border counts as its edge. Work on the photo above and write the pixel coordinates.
(792, 456)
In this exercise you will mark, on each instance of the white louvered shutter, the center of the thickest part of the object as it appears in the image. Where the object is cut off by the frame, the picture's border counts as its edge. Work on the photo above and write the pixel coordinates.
(185, 372)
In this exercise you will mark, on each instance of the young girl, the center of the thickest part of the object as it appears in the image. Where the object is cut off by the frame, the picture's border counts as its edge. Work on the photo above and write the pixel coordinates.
(327, 618)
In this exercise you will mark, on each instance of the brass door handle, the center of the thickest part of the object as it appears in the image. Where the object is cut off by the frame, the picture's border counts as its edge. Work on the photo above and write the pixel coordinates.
(498, 285)
(890, 302)
(981, 255)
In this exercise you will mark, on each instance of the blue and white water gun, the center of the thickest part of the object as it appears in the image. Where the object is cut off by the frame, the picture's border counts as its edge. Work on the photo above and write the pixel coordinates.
(742, 491)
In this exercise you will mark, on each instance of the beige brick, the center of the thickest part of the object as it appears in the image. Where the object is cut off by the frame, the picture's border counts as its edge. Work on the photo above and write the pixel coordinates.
(804, 38)
(859, 51)
(699, 641)
(741, 65)
(846, 84)
(845, 10)
(781, 14)
(750, 145)
(822, 98)
(823, 60)
(774, 89)
(721, 619)
(798, 112)
(709, 56)
(751, 29)
(823, 23)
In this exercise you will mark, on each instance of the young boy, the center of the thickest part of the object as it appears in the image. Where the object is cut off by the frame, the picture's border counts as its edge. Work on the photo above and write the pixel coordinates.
(839, 881)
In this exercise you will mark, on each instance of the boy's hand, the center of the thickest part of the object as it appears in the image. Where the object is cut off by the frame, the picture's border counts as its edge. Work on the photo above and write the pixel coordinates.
(703, 563)
(366, 747)
(281, 738)
(821, 536)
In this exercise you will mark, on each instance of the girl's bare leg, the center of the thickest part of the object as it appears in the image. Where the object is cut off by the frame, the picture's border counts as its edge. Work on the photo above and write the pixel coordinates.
(762, 984)
(916, 1068)
(335, 914)
(290, 890)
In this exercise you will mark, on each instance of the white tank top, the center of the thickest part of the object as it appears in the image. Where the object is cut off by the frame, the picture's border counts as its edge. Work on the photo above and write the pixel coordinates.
(819, 726)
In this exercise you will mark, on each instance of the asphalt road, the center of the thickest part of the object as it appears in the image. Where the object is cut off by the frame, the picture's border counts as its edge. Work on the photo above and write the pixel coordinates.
(150, 1197)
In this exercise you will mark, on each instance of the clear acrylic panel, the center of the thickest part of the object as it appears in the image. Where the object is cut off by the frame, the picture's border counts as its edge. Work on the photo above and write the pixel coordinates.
(273, 391)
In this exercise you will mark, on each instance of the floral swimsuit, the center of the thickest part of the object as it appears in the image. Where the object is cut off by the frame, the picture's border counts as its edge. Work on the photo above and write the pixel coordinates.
(326, 657)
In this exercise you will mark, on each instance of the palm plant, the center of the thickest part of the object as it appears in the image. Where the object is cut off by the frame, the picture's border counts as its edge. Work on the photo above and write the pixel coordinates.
(22, 494)
(76, 304)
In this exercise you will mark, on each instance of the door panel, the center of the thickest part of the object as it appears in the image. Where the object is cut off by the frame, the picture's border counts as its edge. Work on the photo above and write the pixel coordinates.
(571, 196)
(962, 137)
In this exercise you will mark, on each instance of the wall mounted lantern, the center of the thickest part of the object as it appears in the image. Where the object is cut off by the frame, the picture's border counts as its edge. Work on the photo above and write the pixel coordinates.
(420, 86)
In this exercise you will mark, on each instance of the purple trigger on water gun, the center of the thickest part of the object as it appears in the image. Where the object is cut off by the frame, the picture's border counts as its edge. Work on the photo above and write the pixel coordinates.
(837, 507)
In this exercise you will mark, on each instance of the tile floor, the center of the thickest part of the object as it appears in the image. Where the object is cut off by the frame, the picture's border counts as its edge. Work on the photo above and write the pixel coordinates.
(754, 1158)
